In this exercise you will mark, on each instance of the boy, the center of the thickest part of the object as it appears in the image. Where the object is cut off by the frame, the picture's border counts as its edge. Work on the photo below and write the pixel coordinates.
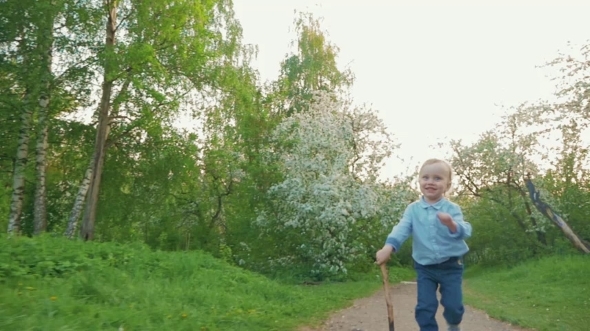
(438, 231)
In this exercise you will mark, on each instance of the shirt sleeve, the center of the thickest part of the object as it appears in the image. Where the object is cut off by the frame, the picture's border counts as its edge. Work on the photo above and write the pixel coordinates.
(401, 231)
(463, 227)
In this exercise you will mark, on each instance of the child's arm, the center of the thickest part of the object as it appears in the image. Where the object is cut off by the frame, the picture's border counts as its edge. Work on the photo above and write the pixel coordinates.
(399, 234)
(458, 227)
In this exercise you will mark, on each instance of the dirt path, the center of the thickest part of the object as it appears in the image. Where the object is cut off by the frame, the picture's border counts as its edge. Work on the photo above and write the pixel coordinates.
(370, 314)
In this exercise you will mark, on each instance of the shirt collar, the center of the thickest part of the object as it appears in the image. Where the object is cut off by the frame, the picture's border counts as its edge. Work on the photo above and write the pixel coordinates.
(436, 205)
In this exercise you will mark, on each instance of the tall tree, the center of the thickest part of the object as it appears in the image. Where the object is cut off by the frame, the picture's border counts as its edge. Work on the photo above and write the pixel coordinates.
(45, 37)
(19, 48)
(312, 67)
(169, 56)
(102, 129)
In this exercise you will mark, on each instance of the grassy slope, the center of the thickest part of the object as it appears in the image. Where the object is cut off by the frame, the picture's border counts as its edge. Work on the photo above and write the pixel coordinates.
(54, 284)
(552, 294)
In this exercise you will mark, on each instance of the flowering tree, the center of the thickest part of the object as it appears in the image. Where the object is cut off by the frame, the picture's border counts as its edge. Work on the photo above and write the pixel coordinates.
(539, 140)
(492, 171)
(329, 156)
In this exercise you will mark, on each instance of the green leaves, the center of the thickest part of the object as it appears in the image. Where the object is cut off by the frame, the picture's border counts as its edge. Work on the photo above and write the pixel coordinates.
(311, 68)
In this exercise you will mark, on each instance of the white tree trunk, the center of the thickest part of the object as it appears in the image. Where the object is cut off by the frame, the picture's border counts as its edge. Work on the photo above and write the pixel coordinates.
(85, 185)
(18, 185)
(40, 217)
(45, 45)
(79, 202)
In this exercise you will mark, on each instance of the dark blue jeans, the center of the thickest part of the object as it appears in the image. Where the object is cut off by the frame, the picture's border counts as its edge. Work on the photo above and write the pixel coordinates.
(447, 277)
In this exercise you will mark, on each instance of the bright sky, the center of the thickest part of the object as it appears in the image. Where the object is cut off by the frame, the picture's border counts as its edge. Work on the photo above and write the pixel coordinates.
(433, 71)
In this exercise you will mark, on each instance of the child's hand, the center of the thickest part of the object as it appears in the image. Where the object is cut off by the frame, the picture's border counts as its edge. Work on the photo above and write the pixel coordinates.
(447, 220)
(383, 254)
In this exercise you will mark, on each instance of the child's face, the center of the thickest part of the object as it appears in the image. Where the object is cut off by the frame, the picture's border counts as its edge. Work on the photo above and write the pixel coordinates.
(434, 181)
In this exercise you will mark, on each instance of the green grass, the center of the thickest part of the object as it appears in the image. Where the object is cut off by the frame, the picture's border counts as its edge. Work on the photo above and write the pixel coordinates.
(551, 294)
(55, 284)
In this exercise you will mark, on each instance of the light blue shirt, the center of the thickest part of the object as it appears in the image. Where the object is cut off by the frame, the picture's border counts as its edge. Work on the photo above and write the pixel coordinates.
(432, 242)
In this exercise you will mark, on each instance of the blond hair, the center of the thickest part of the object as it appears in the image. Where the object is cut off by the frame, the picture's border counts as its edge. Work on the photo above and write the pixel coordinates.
(445, 164)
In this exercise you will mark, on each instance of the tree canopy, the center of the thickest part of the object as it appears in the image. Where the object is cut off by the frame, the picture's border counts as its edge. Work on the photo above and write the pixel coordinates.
(126, 120)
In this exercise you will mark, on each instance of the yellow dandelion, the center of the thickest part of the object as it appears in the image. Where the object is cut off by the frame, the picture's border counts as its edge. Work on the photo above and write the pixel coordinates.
(184, 315)
(53, 298)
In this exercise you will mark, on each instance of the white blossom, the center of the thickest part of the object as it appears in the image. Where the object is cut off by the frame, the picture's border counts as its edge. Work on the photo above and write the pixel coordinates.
(330, 156)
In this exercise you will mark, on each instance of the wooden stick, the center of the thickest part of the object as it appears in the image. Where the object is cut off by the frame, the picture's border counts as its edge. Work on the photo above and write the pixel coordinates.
(385, 275)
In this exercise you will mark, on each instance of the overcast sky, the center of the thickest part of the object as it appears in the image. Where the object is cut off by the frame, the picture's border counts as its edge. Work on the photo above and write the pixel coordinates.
(433, 71)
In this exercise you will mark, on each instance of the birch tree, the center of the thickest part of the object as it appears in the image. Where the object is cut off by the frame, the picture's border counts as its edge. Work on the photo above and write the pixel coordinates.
(164, 53)
(45, 39)
(102, 129)
(19, 46)
(29, 45)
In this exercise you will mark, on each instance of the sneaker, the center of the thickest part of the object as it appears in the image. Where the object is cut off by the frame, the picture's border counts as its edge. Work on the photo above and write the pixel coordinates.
(454, 327)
